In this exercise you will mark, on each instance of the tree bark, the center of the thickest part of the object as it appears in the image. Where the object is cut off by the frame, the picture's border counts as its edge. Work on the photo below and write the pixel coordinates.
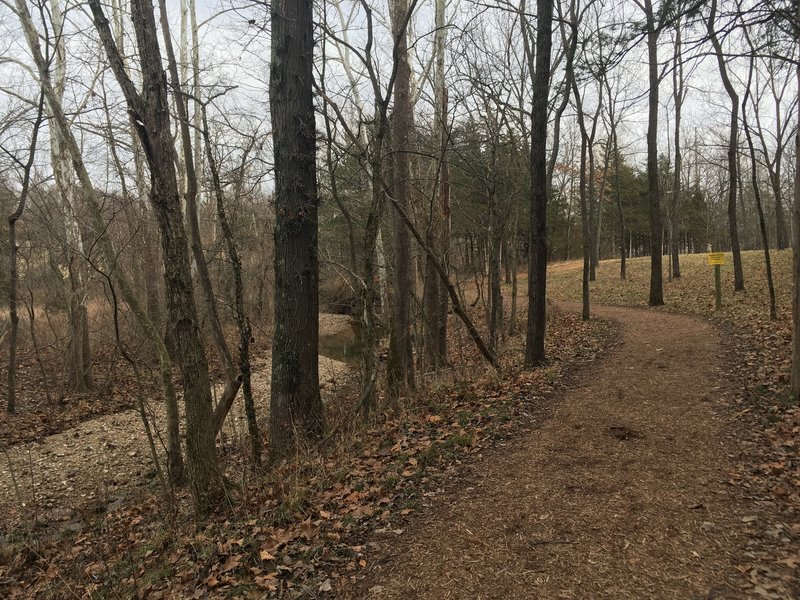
(796, 257)
(654, 193)
(435, 300)
(232, 380)
(762, 223)
(78, 356)
(149, 112)
(296, 408)
(495, 243)
(620, 210)
(678, 96)
(400, 363)
(733, 144)
(537, 266)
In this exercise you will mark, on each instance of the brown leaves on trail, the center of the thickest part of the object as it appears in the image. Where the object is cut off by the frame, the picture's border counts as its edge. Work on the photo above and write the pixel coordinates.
(757, 366)
(304, 529)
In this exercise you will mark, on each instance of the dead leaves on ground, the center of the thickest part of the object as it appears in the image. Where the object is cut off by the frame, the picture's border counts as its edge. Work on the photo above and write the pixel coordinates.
(757, 364)
(304, 530)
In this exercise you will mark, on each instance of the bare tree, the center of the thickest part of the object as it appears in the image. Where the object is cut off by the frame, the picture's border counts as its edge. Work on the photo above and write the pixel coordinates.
(778, 82)
(13, 271)
(795, 385)
(400, 364)
(678, 97)
(773, 313)
(537, 267)
(435, 302)
(78, 357)
(149, 112)
(733, 145)
(652, 29)
(100, 228)
(296, 408)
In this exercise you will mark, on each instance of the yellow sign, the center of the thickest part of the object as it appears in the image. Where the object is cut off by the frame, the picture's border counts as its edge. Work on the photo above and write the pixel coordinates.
(716, 258)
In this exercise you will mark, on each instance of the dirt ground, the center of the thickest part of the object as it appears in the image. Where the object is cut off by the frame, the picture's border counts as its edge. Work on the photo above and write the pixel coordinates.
(97, 464)
(621, 493)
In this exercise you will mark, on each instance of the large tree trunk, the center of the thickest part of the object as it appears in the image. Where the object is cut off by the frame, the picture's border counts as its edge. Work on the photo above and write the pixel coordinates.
(232, 379)
(537, 265)
(296, 406)
(654, 193)
(733, 145)
(400, 363)
(434, 294)
(585, 312)
(796, 258)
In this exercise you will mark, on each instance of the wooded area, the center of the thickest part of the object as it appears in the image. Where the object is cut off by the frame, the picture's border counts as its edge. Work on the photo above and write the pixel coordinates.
(306, 230)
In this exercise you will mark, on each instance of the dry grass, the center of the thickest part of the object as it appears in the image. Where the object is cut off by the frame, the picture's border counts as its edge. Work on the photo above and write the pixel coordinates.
(692, 293)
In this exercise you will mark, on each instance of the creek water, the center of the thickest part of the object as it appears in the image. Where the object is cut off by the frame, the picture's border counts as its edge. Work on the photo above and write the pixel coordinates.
(344, 345)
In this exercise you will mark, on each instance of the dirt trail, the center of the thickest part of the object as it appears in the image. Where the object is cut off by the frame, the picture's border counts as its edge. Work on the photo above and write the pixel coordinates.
(619, 494)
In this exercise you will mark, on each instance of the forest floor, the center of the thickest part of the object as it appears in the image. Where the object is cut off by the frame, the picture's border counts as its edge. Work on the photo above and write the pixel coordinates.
(655, 455)
(621, 493)
(669, 471)
(93, 466)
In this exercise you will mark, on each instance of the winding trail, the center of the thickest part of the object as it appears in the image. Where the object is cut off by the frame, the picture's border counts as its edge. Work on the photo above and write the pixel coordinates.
(620, 493)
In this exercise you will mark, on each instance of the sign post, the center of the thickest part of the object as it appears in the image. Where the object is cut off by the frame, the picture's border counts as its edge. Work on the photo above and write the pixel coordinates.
(716, 260)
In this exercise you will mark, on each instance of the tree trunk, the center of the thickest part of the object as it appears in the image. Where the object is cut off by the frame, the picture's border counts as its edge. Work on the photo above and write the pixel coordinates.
(512, 325)
(733, 144)
(537, 264)
(232, 380)
(107, 252)
(782, 236)
(678, 96)
(400, 363)
(454, 298)
(444, 239)
(242, 321)
(150, 114)
(78, 356)
(622, 241)
(654, 193)
(762, 223)
(435, 295)
(296, 406)
(13, 272)
(796, 259)
(495, 291)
